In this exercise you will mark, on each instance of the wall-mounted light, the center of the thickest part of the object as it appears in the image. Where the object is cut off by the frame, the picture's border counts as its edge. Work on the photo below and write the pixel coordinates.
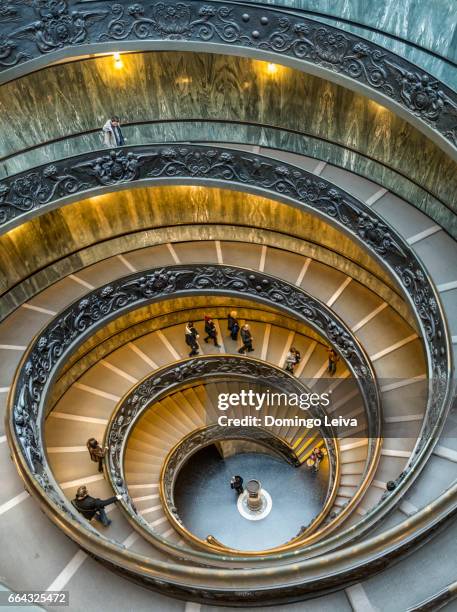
(118, 63)
(183, 80)
(272, 68)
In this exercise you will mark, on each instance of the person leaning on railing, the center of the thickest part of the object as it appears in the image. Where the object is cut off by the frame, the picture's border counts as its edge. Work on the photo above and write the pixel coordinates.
(91, 507)
(112, 133)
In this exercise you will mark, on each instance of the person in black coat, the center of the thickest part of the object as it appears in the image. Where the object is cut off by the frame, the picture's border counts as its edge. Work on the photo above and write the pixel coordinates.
(93, 506)
(236, 482)
(233, 325)
(211, 331)
(246, 337)
(191, 337)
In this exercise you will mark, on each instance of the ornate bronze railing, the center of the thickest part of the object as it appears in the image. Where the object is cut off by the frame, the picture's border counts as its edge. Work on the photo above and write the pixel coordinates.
(285, 182)
(168, 379)
(49, 351)
(85, 174)
(41, 362)
(35, 35)
(204, 436)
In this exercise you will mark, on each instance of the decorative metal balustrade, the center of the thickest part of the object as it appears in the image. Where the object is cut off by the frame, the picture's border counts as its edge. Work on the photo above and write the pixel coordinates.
(83, 175)
(169, 379)
(39, 31)
(36, 34)
(70, 328)
(285, 182)
(211, 434)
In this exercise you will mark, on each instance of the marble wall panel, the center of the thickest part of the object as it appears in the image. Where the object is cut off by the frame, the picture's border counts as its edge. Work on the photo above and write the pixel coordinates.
(61, 232)
(79, 96)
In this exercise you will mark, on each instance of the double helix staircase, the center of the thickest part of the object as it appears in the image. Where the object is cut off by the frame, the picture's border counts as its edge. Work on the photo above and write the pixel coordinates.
(121, 354)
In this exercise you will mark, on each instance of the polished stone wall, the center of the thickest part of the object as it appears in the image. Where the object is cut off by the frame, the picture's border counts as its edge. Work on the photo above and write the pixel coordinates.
(47, 239)
(79, 96)
(430, 24)
(240, 134)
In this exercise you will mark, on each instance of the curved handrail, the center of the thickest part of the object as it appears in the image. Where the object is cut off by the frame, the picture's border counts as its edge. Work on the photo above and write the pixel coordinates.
(171, 378)
(364, 25)
(204, 436)
(204, 165)
(436, 601)
(51, 348)
(256, 585)
(128, 126)
(199, 164)
(39, 35)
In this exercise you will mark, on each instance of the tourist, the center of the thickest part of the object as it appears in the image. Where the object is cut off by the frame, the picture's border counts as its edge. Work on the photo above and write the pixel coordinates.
(91, 507)
(236, 482)
(112, 133)
(96, 452)
(292, 359)
(211, 331)
(246, 337)
(315, 458)
(191, 337)
(333, 359)
(232, 325)
(319, 455)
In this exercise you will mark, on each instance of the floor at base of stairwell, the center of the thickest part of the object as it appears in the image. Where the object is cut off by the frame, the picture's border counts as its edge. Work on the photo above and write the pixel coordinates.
(207, 504)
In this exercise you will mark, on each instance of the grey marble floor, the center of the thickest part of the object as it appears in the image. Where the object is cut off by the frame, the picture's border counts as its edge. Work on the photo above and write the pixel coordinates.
(207, 504)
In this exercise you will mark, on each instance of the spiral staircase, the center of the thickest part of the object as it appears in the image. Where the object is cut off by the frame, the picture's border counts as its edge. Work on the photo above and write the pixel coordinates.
(293, 165)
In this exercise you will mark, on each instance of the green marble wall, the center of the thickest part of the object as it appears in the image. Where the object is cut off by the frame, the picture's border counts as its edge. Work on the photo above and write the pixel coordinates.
(429, 23)
(62, 232)
(75, 97)
(237, 133)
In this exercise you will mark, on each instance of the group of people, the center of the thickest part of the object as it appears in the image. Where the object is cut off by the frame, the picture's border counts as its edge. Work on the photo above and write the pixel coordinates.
(314, 460)
(234, 329)
(192, 336)
(293, 357)
(113, 137)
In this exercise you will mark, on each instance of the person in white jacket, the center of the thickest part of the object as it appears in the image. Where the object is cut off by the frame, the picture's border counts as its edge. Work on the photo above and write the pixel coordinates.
(112, 133)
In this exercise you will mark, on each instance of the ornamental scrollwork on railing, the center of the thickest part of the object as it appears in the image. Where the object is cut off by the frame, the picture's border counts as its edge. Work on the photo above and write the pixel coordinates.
(51, 25)
(42, 187)
(203, 369)
(169, 378)
(215, 433)
(34, 189)
(56, 341)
